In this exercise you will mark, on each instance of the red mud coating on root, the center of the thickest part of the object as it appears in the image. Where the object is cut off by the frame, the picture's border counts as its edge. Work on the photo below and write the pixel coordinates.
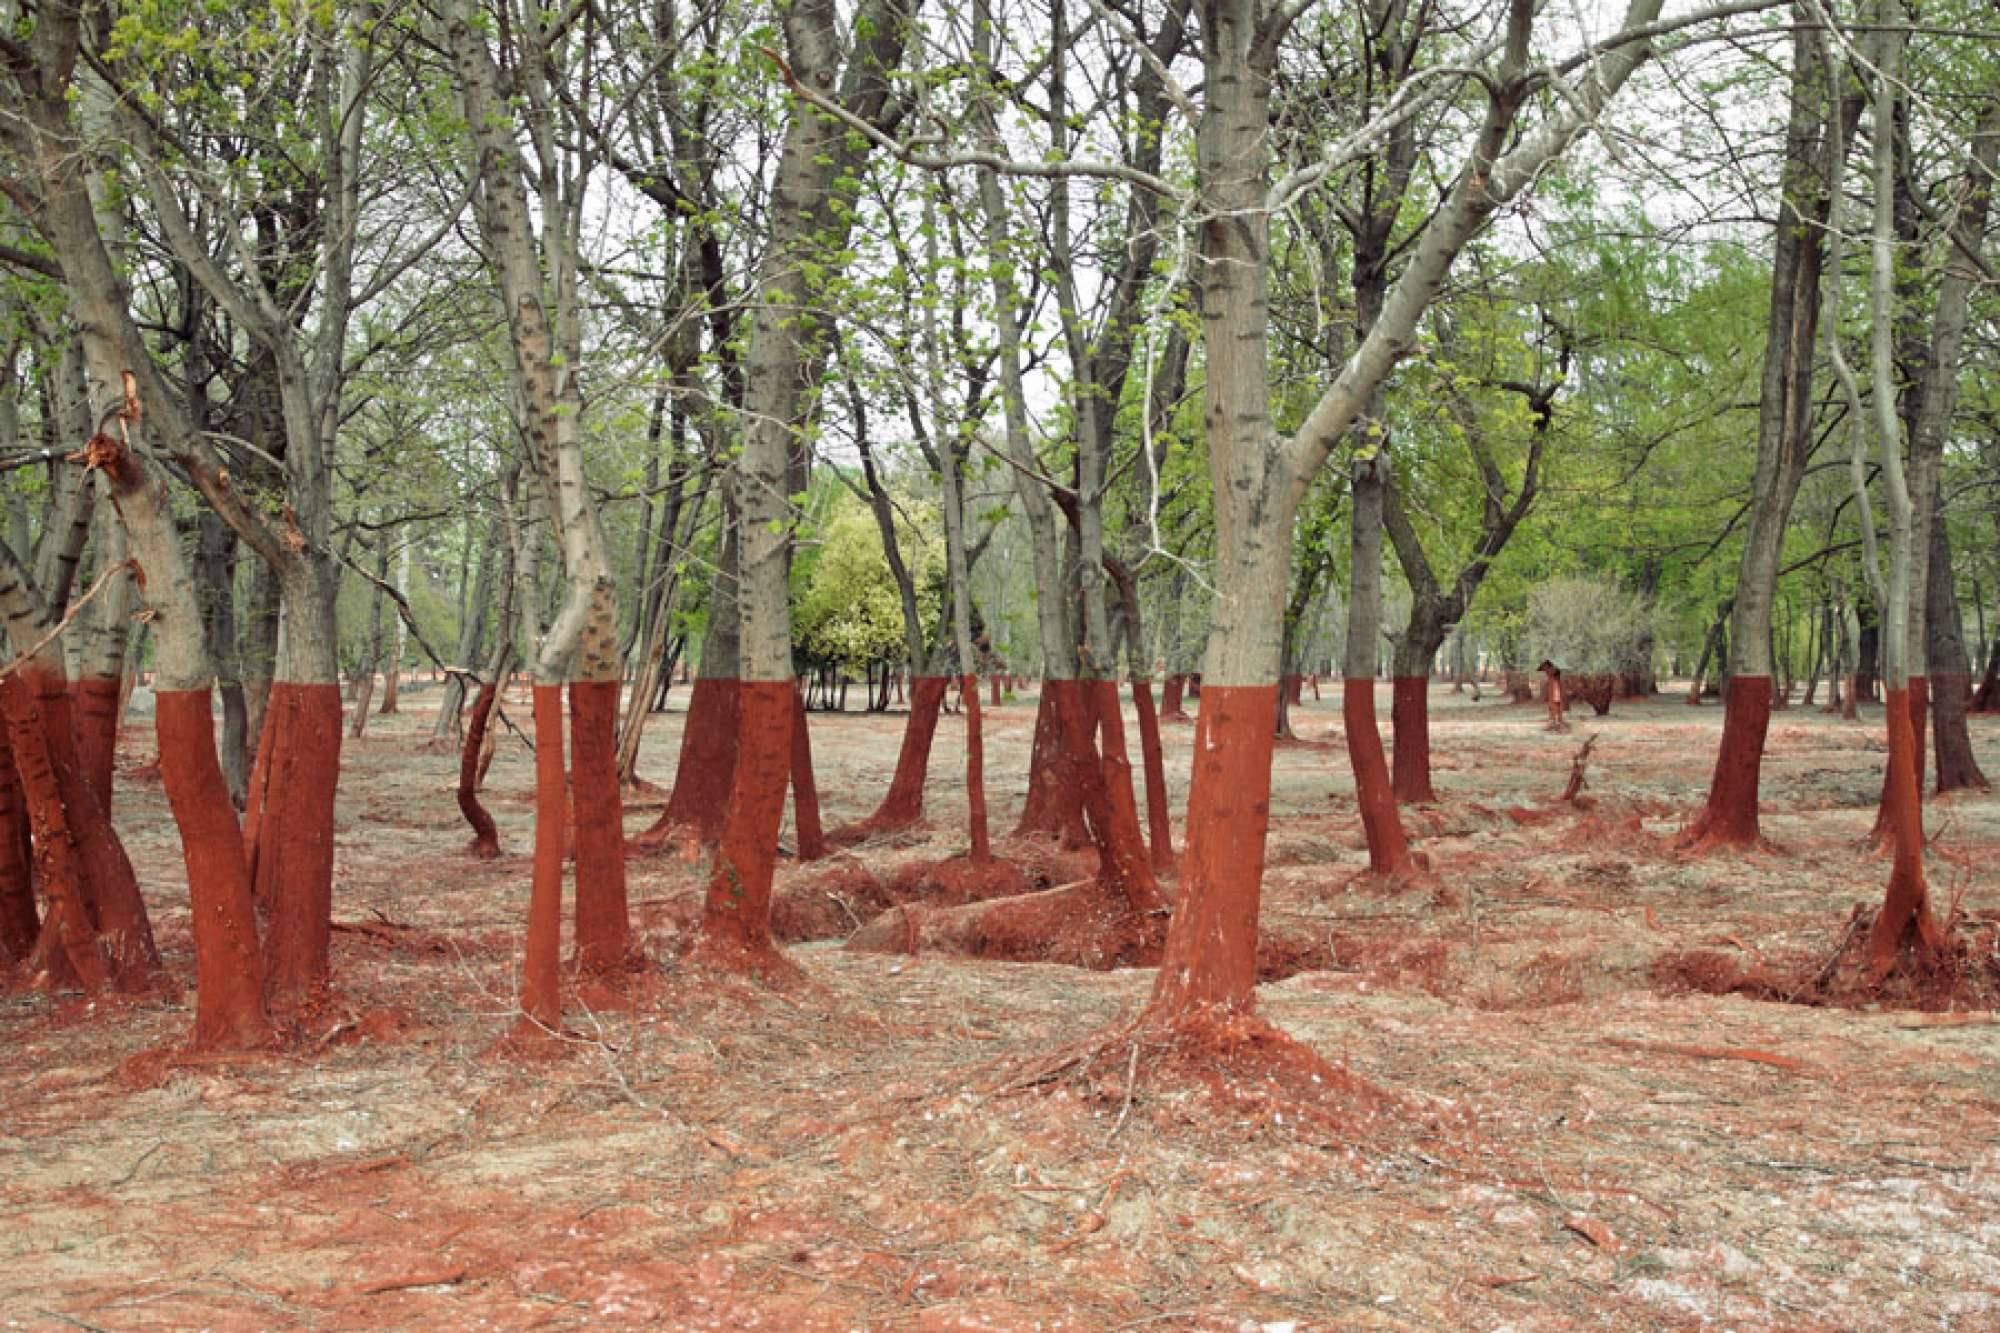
(1159, 824)
(293, 874)
(541, 953)
(904, 804)
(1388, 847)
(1906, 901)
(1054, 805)
(1410, 723)
(736, 913)
(700, 800)
(94, 703)
(805, 787)
(1729, 817)
(18, 921)
(1211, 954)
(110, 888)
(485, 844)
(603, 920)
(1918, 711)
(229, 973)
(975, 768)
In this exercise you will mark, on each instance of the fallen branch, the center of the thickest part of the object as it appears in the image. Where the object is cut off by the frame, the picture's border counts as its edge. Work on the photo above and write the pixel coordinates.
(1749, 1054)
(445, 1277)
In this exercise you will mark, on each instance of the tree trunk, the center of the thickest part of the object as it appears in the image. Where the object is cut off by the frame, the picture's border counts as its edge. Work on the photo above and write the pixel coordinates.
(903, 806)
(1051, 806)
(229, 987)
(19, 922)
(809, 218)
(100, 662)
(705, 773)
(806, 826)
(372, 654)
(472, 631)
(1388, 846)
(1784, 438)
(215, 590)
(393, 670)
(485, 844)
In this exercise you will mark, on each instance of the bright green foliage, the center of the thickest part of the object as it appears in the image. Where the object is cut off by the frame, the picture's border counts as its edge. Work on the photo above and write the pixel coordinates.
(847, 612)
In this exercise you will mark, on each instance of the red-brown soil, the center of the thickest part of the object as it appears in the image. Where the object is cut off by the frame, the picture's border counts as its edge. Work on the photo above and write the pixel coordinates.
(1532, 1112)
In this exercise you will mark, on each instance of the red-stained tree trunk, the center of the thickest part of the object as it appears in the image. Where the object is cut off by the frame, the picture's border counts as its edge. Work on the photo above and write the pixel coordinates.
(1916, 696)
(975, 769)
(1906, 901)
(805, 787)
(1410, 723)
(291, 851)
(1123, 862)
(817, 170)
(19, 921)
(67, 949)
(1170, 699)
(537, 271)
(541, 955)
(1729, 817)
(485, 844)
(229, 969)
(736, 911)
(703, 775)
(1158, 820)
(1785, 435)
(1053, 804)
(1388, 845)
(603, 922)
(1258, 476)
(903, 806)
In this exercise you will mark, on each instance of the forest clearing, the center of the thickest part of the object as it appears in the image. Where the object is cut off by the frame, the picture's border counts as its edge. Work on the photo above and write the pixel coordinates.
(1550, 1124)
(1098, 664)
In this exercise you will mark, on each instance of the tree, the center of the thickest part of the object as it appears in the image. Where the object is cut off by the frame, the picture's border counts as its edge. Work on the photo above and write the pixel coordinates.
(1259, 477)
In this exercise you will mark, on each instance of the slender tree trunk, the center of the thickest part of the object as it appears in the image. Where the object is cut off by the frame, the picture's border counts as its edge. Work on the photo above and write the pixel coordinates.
(372, 654)
(1388, 846)
(393, 670)
(1784, 437)
(472, 633)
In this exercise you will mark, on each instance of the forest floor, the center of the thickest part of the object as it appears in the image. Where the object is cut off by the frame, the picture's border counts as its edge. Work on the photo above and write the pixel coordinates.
(1551, 1124)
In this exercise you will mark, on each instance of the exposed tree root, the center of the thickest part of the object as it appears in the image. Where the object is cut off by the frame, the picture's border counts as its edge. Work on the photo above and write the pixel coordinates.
(1084, 924)
(1962, 973)
(725, 956)
(1244, 1065)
